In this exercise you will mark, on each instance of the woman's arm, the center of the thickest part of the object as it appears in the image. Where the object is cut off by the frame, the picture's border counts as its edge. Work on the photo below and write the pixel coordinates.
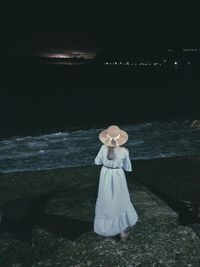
(127, 165)
(99, 158)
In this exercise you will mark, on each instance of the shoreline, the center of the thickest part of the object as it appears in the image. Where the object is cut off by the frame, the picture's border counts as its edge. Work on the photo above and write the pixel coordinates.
(171, 174)
(92, 165)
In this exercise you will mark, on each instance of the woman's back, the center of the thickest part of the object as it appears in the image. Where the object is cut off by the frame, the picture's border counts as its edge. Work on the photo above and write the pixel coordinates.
(120, 158)
(114, 211)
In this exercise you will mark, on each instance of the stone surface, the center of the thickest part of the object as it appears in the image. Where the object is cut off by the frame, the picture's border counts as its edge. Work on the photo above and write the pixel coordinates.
(51, 224)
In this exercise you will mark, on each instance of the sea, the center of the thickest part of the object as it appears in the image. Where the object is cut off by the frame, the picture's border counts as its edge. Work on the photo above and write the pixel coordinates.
(51, 115)
(78, 147)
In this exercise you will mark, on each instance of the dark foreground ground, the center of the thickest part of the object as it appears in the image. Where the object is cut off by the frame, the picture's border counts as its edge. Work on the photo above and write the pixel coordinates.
(47, 217)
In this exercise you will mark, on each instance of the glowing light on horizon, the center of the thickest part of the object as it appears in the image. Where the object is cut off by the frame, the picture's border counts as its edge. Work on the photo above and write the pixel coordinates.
(69, 54)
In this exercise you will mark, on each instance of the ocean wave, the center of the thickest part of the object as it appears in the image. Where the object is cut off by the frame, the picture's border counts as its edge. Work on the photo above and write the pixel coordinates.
(78, 147)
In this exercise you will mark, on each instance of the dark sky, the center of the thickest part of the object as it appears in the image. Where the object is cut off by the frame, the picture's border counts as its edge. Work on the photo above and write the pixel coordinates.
(31, 29)
(46, 96)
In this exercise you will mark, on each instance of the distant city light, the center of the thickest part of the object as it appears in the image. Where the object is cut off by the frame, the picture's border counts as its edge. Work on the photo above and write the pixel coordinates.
(190, 49)
(128, 63)
(162, 62)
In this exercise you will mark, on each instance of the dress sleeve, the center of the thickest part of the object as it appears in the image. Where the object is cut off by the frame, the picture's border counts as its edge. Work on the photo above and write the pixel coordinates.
(127, 166)
(99, 158)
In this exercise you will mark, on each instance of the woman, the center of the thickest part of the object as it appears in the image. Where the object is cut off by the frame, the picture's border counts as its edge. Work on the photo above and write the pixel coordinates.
(114, 211)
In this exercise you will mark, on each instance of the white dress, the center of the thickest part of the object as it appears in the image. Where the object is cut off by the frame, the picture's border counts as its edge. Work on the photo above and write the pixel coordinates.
(114, 211)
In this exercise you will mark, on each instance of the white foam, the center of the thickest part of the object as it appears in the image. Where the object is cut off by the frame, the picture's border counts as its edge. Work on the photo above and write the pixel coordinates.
(78, 148)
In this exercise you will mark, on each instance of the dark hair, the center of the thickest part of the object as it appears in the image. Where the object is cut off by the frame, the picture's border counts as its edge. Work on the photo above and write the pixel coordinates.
(110, 154)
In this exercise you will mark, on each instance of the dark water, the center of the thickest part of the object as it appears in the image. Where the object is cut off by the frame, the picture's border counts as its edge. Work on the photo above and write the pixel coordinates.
(73, 148)
(52, 101)
(37, 98)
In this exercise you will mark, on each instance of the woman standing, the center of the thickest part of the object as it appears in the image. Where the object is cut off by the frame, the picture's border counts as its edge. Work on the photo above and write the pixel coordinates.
(114, 211)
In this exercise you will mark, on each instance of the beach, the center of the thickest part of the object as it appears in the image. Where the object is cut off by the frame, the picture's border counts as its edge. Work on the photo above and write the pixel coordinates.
(47, 217)
(69, 72)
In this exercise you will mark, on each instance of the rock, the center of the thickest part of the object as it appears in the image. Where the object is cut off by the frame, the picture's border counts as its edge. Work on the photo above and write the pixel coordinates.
(196, 228)
(82, 200)
(196, 124)
(61, 226)
(20, 207)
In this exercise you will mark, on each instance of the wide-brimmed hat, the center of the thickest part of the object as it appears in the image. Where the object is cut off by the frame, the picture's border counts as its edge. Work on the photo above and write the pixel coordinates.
(113, 136)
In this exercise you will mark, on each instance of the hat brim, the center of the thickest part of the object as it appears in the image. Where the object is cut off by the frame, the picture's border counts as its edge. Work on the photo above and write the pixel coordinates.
(121, 140)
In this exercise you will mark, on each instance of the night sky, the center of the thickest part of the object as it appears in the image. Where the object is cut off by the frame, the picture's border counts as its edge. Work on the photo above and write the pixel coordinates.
(35, 97)
(30, 29)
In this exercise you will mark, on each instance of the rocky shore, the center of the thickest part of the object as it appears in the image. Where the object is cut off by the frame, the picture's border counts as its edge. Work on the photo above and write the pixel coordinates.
(47, 217)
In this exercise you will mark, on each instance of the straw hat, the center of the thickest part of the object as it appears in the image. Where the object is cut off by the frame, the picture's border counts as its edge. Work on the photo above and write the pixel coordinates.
(113, 136)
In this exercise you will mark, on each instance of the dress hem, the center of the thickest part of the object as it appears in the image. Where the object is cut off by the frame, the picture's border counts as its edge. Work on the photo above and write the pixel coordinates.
(111, 227)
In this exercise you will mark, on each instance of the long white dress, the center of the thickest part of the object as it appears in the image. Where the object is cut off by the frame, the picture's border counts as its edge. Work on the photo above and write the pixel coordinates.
(114, 211)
